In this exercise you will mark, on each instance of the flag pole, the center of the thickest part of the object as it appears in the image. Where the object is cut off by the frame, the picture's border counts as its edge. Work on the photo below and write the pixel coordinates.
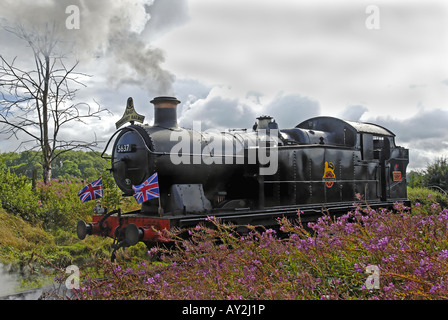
(160, 208)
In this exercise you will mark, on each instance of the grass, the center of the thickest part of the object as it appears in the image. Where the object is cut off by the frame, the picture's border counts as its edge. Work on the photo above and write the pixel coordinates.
(33, 253)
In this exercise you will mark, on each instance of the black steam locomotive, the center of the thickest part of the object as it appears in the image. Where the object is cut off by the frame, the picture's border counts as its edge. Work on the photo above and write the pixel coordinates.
(246, 176)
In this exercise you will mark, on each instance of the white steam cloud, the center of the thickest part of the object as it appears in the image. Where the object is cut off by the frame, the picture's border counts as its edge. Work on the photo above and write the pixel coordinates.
(110, 33)
(8, 282)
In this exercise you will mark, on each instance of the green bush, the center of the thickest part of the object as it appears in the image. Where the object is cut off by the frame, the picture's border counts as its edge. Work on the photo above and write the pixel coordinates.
(425, 198)
(17, 196)
(38, 225)
(56, 204)
(436, 174)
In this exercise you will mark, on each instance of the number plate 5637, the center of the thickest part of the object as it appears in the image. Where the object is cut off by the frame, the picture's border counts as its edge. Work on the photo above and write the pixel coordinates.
(124, 148)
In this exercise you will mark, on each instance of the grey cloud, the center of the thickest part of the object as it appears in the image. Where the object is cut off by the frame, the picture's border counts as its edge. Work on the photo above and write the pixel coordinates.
(353, 112)
(290, 110)
(426, 124)
(184, 88)
(217, 111)
(425, 134)
(416, 86)
(223, 109)
(165, 16)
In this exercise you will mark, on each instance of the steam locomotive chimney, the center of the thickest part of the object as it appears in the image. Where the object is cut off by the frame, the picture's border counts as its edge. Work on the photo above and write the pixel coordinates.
(165, 112)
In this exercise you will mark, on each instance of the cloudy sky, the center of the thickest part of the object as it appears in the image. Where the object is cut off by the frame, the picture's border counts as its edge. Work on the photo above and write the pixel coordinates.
(230, 61)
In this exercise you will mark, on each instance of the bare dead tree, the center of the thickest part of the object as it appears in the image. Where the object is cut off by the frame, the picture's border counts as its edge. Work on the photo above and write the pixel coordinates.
(40, 101)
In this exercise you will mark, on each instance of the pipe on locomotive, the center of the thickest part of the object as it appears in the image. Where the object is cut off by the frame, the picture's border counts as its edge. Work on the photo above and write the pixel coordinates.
(165, 112)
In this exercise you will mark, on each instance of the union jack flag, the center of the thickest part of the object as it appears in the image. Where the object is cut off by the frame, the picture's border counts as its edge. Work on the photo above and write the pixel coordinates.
(147, 190)
(91, 191)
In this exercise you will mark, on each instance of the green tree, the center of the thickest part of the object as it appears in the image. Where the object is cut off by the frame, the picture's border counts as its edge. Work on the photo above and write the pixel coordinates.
(68, 169)
(415, 179)
(71, 164)
(436, 174)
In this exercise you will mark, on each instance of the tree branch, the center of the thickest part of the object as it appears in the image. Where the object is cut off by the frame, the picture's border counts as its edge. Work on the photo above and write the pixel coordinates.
(43, 99)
